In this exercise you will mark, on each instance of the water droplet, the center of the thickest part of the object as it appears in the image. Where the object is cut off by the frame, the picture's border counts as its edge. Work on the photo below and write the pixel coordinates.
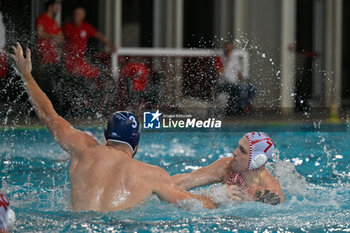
(339, 157)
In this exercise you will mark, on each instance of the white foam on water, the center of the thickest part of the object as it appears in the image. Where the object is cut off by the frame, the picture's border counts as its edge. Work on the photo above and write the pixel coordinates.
(190, 204)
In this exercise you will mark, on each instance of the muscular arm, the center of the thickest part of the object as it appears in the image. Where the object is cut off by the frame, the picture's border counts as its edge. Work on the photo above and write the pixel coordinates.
(166, 190)
(269, 192)
(214, 173)
(70, 139)
(268, 197)
(103, 39)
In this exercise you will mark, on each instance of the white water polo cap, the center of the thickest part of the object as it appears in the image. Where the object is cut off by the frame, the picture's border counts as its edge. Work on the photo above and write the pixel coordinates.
(261, 149)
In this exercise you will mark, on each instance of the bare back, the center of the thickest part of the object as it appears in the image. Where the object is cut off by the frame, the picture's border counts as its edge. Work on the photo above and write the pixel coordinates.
(109, 180)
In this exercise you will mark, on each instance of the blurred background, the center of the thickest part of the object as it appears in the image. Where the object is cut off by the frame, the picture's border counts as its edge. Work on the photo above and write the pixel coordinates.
(169, 55)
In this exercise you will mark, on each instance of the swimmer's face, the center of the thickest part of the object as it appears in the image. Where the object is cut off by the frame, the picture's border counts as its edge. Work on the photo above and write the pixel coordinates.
(79, 15)
(240, 160)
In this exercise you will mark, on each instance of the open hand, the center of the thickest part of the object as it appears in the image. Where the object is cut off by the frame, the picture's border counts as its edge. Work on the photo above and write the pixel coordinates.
(24, 65)
(234, 192)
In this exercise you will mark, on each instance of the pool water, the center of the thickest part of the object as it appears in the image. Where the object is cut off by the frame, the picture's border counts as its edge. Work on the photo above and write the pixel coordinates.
(312, 165)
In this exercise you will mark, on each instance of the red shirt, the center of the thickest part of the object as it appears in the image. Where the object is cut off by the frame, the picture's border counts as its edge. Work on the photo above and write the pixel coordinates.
(3, 64)
(76, 38)
(138, 72)
(218, 63)
(48, 51)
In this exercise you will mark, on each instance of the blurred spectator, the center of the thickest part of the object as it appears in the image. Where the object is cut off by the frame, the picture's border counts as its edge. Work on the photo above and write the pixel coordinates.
(90, 80)
(76, 35)
(49, 40)
(49, 34)
(234, 72)
(133, 82)
(3, 60)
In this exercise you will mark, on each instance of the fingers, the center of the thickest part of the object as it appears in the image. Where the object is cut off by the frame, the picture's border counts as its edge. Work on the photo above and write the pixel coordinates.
(236, 193)
(28, 54)
(19, 51)
(237, 198)
(19, 48)
(14, 50)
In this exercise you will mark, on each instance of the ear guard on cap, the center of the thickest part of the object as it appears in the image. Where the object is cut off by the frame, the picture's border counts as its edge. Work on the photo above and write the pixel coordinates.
(261, 149)
(258, 161)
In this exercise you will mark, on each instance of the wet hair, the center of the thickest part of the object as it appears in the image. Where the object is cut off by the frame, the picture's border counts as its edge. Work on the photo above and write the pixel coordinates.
(50, 3)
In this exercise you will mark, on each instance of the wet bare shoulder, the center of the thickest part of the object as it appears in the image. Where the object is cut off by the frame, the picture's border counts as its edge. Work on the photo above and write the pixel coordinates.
(221, 165)
(269, 191)
(149, 171)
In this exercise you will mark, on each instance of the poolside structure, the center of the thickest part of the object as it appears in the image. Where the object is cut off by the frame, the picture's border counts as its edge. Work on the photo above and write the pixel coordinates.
(297, 55)
(296, 51)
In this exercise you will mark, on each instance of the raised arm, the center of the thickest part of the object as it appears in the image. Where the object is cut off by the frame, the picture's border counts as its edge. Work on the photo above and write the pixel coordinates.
(104, 40)
(214, 173)
(166, 190)
(70, 139)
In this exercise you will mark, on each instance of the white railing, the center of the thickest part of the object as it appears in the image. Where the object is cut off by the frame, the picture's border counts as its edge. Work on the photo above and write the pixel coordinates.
(160, 52)
(175, 59)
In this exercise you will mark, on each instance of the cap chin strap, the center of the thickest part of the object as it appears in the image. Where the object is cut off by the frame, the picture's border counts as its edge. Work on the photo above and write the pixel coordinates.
(114, 140)
(235, 178)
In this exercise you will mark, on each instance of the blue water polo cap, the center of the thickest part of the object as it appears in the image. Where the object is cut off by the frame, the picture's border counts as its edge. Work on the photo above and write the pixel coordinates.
(123, 127)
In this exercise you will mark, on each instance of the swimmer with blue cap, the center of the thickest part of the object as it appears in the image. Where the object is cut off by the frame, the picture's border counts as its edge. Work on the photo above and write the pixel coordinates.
(103, 177)
(244, 174)
(123, 127)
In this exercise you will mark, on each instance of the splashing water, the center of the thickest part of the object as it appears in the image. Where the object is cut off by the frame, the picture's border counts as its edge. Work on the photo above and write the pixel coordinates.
(314, 175)
(35, 176)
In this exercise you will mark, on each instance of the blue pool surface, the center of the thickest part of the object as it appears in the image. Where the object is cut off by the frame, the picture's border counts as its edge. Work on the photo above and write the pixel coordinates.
(311, 164)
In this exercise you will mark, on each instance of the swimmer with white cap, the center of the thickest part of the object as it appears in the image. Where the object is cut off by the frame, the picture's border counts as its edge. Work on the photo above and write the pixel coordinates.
(103, 177)
(7, 216)
(244, 174)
